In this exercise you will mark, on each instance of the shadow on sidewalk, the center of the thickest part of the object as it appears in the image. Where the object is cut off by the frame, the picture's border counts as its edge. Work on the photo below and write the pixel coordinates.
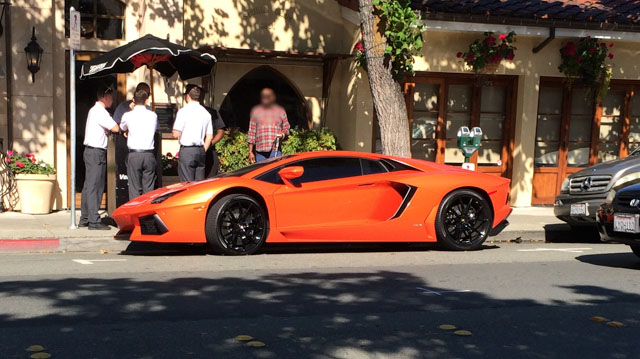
(563, 233)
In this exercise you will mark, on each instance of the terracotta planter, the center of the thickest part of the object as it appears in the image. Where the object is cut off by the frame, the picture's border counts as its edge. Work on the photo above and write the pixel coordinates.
(36, 192)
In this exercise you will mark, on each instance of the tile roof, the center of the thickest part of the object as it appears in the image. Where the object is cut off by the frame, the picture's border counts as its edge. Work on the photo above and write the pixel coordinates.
(622, 12)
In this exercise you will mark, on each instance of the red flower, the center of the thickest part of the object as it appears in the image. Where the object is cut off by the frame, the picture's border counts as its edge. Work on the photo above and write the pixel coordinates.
(511, 56)
(9, 153)
(611, 55)
(503, 37)
(459, 55)
(579, 59)
(470, 57)
(359, 46)
(588, 37)
(611, 44)
(169, 155)
(29, 155)
(592, 50)
(490, 40)
(177, 155)
(569, 51)
(20, 164)
(174, 163)
(33, 160)
(9, 159)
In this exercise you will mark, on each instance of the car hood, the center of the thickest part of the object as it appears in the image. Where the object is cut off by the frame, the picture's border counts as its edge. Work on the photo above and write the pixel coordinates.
(611, 167)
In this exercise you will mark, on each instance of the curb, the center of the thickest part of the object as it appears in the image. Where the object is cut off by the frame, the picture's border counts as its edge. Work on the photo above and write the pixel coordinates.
(29, 244)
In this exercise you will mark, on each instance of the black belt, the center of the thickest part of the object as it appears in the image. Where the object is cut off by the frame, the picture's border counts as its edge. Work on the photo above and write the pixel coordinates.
(140, 151)
(95, 148)
(192, 146)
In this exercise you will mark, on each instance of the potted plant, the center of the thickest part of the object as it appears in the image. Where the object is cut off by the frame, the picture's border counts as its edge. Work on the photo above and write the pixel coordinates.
(35, 180)
(170, 169)
(484, 55)
(585, 61)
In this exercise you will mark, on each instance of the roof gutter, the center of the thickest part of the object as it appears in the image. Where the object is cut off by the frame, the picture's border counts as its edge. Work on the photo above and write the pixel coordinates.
(541, 30)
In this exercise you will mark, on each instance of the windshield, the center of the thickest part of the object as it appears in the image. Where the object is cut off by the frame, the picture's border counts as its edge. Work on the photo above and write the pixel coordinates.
(250, 168)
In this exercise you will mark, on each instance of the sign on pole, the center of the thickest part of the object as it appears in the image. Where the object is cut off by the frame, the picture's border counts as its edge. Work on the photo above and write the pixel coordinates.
(74, 34)
(74, 28)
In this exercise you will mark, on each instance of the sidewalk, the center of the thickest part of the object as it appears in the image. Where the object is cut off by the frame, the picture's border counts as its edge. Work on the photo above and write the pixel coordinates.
(51, 232)
(20, 232)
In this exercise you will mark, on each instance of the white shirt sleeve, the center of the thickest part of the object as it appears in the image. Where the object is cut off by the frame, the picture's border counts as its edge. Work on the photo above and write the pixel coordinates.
(155, 122)
(123, 122)
(209, 129)
(178, 125)
(106, 121)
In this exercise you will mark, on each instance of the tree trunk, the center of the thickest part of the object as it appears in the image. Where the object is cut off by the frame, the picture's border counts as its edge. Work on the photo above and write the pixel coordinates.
(388, 99)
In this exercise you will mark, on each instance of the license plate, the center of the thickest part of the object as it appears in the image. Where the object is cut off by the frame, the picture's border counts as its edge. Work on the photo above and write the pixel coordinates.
(625, 223)
(579, 209)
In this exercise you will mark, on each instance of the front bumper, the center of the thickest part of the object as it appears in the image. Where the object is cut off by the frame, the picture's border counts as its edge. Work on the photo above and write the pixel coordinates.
(605, 227)
(562, 208)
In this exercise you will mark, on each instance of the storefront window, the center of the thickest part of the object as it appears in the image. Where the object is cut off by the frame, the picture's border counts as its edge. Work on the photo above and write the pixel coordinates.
(548, 126)
(634, 130)
(580, 122)
(459, 107)
(492, 116)
(425, 121)
(611, 125)
(101, 19)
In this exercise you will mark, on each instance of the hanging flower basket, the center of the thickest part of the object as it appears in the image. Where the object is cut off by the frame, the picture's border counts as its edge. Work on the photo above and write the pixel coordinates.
(585, 60)
(485, 55)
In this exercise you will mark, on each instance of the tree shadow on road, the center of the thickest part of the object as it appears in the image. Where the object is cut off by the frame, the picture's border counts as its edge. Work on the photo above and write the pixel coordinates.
(303, 315)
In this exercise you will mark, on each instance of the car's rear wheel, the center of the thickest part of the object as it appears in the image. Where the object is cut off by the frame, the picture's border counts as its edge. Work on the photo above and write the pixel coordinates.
(464, 220)
(636, 250)
(237, 225)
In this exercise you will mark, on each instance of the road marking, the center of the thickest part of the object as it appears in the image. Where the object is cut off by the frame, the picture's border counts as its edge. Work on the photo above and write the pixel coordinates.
(92, 261)
(429, 291)
(568, 250)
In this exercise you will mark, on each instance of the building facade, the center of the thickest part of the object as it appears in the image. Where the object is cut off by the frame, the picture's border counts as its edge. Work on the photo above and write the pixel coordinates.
(537, 130)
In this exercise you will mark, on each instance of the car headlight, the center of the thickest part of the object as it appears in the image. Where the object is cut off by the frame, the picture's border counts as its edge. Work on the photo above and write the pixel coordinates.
(631, 177)
(610, 197)
(565, 185)
(164, 197)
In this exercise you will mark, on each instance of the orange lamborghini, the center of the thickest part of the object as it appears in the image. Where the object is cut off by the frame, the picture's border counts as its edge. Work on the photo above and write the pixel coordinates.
(323, 197)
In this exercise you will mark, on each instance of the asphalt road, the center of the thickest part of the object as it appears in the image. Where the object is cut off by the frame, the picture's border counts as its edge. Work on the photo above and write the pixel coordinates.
(529, 300)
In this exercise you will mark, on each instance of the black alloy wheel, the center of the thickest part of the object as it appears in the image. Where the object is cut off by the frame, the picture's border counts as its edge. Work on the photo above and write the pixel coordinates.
(464, 220)
(237, 225)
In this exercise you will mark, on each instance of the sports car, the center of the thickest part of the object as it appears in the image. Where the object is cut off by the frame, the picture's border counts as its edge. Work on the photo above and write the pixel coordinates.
(331, 196)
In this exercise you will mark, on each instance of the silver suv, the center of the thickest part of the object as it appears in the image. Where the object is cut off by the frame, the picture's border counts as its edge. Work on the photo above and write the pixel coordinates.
(583, 192)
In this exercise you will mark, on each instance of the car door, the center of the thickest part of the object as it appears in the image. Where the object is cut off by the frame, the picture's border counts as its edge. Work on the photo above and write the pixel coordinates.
(336, 199)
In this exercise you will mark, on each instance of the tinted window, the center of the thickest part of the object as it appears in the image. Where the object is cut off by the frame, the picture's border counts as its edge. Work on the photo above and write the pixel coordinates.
(322, 169)
(370, 167)
(244, 170)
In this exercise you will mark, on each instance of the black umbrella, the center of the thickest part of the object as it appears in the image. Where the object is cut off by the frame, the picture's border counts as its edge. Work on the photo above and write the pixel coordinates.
(153, 52)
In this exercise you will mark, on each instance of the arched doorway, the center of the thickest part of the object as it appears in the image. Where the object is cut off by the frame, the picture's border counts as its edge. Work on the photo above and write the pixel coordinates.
(236, 106)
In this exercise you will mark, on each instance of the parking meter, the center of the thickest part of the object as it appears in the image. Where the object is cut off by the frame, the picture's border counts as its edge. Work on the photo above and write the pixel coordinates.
(469, 141)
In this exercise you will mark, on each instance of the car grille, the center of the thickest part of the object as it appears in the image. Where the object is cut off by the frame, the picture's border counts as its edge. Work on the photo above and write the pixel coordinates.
(589, 184)
(623, 203)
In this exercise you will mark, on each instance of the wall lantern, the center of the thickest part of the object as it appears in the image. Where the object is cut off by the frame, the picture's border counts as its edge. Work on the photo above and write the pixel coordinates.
(34, 55)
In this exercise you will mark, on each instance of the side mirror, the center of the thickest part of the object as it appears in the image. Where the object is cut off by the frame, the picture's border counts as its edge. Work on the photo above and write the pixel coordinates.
(289, 173)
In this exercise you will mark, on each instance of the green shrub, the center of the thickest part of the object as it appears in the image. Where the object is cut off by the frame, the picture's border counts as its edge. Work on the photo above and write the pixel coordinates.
(309, 141)
(233, 150)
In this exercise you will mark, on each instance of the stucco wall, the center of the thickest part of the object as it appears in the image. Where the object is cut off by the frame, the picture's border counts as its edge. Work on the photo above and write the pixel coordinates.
(439, 55)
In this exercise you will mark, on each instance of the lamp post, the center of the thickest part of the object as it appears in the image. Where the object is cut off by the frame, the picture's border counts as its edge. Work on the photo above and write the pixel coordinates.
(34, 55)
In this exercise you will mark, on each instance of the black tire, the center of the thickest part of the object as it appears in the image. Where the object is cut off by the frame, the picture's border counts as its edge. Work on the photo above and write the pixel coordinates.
(237, 224)
(636, 250)
(464, 221)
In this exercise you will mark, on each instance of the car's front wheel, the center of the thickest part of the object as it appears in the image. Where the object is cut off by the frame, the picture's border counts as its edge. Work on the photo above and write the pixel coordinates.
(464, 220)
(236, 225)
(636, 250)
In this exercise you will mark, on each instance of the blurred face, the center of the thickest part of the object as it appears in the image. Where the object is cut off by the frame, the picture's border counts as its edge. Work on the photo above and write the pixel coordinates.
(267, 97)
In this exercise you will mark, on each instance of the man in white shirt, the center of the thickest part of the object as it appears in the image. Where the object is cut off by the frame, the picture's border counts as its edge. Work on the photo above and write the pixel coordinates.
(99, 124)
(139, 126)
(194, 130)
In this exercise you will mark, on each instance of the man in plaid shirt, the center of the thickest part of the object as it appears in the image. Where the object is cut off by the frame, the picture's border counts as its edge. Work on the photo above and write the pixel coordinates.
(268, 123)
